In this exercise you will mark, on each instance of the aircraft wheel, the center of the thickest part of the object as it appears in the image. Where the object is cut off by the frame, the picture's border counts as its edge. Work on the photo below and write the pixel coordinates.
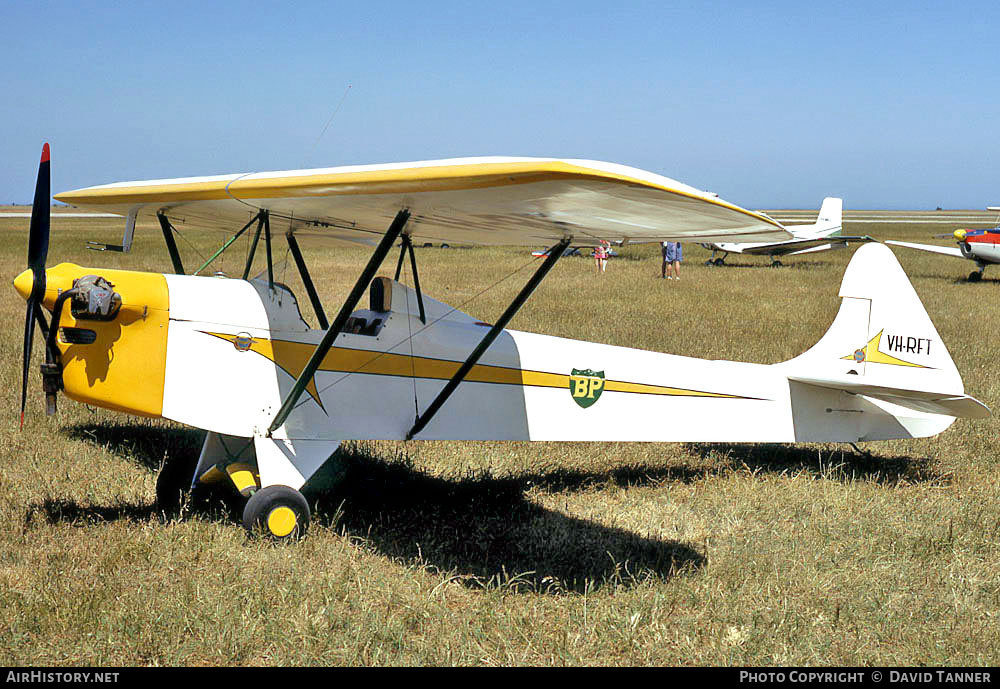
(279, 513)
(975, 276)
(719, 262)
(776, 264)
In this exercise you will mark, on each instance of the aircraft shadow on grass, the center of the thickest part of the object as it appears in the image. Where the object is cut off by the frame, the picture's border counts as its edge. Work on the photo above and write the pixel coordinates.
(950, 278)
(964, 280)
(481, 528)
(487, 532)
(842, 464)
(792, 262)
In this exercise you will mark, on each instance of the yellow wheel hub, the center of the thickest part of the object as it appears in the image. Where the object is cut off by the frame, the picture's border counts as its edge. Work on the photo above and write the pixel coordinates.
(281, 521)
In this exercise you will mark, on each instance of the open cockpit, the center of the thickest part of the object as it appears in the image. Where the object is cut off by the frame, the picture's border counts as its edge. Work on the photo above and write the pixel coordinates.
(371, 320)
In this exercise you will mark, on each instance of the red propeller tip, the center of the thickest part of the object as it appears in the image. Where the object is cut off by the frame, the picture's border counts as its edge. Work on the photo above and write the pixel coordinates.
(45, 153)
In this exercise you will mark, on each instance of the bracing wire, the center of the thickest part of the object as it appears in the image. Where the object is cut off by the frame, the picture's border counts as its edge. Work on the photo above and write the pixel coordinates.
(389, 350)
(327, 126)
(188, 242)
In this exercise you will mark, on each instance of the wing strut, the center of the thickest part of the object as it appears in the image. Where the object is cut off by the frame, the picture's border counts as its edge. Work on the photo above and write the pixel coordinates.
(168, 237)
(408, 246)
(293, 246)
(263, 223)
(555, 253)
(338, 323)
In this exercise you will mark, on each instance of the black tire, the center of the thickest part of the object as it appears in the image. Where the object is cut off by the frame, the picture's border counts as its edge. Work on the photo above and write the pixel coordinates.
(279, 513)
(975, 276)
(720, 261)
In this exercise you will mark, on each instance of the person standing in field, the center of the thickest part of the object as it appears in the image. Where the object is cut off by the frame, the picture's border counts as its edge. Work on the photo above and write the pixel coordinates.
(601, 255)
(672, 257)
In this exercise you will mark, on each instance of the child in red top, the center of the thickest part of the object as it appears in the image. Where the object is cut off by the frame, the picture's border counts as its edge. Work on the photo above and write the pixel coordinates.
(601, 255)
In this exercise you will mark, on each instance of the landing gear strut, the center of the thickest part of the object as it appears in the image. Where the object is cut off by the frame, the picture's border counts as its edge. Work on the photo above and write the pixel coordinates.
(713, 261)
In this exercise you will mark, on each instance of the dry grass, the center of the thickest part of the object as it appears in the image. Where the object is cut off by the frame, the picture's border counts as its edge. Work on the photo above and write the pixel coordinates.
(518, 553)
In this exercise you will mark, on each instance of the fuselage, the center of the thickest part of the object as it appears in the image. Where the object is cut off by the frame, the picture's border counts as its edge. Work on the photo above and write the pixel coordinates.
(222, 354)
(777, 248)
(980, 245)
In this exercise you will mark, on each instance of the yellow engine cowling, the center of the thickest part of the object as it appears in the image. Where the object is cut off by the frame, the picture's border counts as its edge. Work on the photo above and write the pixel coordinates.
(123, 367)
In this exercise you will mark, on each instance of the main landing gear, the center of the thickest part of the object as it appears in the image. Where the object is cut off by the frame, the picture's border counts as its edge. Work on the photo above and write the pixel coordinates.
(277, 513)
(713, 261)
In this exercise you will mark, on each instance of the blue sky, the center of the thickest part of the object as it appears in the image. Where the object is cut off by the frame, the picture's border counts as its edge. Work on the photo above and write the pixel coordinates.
(769, 104)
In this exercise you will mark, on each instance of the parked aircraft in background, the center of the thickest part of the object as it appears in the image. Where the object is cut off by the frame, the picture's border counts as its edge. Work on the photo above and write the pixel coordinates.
(980, 246)
(823, 235)
(572, 251)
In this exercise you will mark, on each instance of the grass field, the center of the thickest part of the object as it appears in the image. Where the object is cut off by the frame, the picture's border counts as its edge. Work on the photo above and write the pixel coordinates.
(525, 553)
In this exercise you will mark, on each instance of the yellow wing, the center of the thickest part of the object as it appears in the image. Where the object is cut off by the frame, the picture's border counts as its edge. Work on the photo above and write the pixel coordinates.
(515, 201)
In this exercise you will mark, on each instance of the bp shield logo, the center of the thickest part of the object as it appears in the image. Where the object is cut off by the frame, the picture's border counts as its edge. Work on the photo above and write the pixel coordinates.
(586, 386)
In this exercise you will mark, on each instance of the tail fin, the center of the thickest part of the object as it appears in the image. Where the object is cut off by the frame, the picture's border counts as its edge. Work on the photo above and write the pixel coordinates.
(831, 216)
(883, 346)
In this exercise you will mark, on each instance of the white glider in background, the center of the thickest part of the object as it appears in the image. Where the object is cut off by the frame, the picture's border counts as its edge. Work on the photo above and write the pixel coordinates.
(823, 235)
(235, 356)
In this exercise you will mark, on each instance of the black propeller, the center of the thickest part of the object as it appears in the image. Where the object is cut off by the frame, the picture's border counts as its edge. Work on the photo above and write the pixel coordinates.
(38, 249)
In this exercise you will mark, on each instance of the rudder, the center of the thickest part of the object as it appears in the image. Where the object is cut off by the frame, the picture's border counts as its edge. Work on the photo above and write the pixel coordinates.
(831, 215)
(882, 333)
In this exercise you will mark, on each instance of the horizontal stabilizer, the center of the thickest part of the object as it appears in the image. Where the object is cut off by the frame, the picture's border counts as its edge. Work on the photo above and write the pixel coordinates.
(961, 406)
(795, 247)
(840, 242)
(821, 247)
(933, 248)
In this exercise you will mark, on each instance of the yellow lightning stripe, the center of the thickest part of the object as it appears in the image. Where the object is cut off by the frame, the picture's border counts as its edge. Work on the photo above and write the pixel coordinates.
(292, 357)
(873, 355)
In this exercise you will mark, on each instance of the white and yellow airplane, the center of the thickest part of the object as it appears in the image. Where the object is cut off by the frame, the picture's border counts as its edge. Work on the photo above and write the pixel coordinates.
(823, 235)
(236, 358)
